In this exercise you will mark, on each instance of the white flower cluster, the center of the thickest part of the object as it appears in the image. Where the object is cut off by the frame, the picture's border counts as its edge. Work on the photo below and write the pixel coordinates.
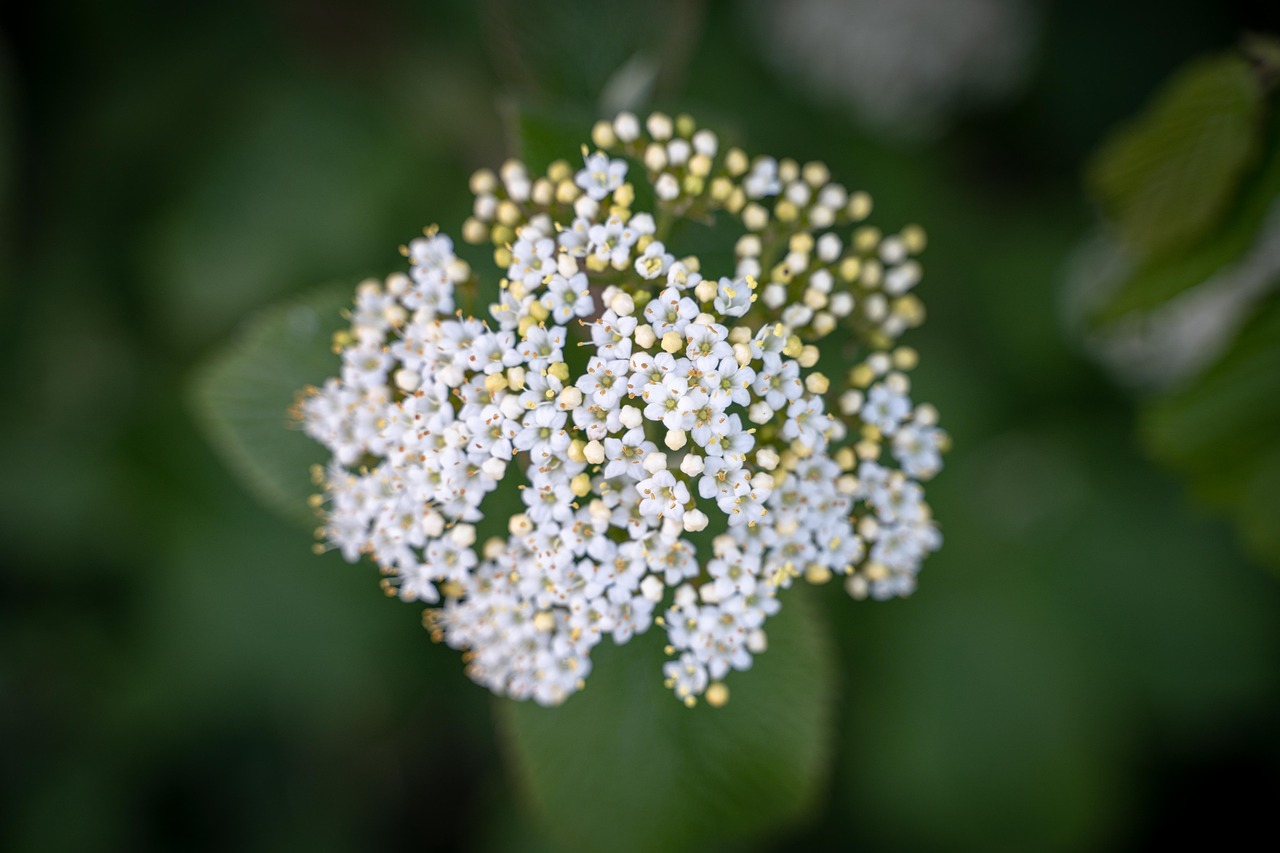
(642, 410)
(905, 66)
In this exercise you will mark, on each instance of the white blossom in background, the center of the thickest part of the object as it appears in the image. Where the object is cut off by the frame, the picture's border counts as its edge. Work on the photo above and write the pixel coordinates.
(1176, 341)
(902, 65)
(679, 459)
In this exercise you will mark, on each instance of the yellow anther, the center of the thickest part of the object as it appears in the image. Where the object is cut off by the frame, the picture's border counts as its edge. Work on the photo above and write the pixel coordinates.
(560, 170)
(850, 268)
(817, 383)
(474, 231)
(905, 358)
(816, 173)
(484, 181)
(503, 235)
(736, 162)
(866, 238)
(872, 272)
(736, 201)
(914, 238)
(816, 573)
(508, 212)
(859, 206)
(802, 242)
(910, 309)
(567, 192)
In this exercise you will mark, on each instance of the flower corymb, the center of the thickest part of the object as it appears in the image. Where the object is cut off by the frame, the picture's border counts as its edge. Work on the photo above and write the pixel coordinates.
(680, 457)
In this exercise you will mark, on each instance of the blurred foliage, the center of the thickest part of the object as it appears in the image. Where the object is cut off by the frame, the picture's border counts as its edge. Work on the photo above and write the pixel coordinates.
(1222, 431)
(628, 764)
(1187, 188)
(1166, 179)
(1186, 185)
(244, 396)
(608, 55)
(1152, 283)
(1088, 664)
(7, 158)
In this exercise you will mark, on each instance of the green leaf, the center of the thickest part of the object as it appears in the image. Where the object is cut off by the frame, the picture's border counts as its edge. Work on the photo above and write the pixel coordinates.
(1155, 282)
(7, 160)
(625, 766)
(300, 185)
(242, 395)
(545, 132)
(572, 49)
(1258, 507)
(1223, 432)
(1169, 177)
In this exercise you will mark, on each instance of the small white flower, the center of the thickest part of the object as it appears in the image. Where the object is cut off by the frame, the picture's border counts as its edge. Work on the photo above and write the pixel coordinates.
(670, 312)
(601, 175)
(884, 408)
(653, 262)
(662, 495)
(763, 180)
(567, 298)
(733, 298)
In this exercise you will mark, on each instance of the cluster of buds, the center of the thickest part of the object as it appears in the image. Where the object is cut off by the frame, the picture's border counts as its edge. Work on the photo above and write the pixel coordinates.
(680, 456)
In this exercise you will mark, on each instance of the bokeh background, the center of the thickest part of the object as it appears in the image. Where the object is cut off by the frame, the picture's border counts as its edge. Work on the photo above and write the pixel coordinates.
(1092, 661)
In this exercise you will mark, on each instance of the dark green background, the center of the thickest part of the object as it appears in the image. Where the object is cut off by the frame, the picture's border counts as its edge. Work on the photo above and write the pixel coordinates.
(1091, 661)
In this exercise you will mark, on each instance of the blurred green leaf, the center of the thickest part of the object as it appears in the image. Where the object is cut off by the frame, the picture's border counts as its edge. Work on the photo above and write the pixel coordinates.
(625, 766)
(544, 133)
(984, 709)
(1169, 177)
(1155, 282)
(8, 133)
(1258, 507)
(575, 48)
(242, 396)
(301, 185)
(1223, 431)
